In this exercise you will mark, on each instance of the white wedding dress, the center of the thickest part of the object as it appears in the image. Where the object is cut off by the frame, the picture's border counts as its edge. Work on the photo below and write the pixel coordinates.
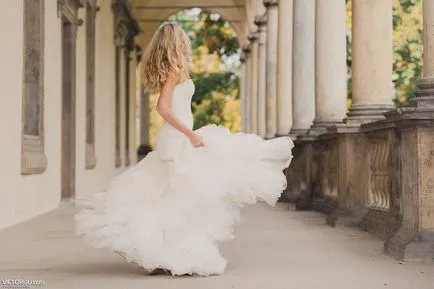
(173, 208)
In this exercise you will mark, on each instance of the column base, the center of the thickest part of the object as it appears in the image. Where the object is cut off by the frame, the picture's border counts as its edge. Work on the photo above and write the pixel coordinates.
(407, 245)
(321, 125)
(295, 133)
(380, 223)
(363, 113)
(424, 94)
(422, 101)
(271, 135)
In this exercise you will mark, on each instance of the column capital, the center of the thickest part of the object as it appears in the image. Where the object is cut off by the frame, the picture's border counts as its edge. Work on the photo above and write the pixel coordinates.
(271, 3)
(260, 20)
(243, 57)
(253, 36)
(246, 49)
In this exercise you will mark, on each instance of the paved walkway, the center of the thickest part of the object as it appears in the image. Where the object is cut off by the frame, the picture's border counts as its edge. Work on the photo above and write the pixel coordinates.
(276, 248)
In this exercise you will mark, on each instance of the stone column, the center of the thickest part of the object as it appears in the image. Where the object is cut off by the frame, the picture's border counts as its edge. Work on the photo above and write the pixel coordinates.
(284, 68)
(253, 87)
(261, 21)
(299, 174)
(372, 59)
(144, 116)
(425, 92)
(243, 92)
(331, 66)
(246, 82)
(303, 90)
(271, 66)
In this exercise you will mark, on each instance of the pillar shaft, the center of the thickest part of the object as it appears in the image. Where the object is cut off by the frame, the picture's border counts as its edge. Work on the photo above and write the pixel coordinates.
(284, 68)
(428, 39)
(271, 66)
(243, 93)
(425, 91)
(303, 76)
(372, 59)
(247, 102)
(144, 116)
(253, 87)
(331, 66)
(260, 21)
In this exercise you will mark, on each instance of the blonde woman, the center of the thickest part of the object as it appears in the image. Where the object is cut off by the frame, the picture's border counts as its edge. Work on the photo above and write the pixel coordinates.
(171, 210)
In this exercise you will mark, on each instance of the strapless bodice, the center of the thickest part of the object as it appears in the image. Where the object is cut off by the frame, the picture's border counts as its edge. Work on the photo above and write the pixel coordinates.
(181, 104)
(170, 141)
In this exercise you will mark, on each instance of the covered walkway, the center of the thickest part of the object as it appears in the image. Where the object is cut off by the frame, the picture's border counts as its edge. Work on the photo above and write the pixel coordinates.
(275, 248)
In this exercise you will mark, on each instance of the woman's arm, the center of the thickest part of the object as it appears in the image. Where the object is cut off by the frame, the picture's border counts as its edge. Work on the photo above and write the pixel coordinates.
(164, 109)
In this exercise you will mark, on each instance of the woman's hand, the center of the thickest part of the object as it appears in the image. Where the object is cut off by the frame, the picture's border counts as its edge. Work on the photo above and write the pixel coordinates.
(196, 141)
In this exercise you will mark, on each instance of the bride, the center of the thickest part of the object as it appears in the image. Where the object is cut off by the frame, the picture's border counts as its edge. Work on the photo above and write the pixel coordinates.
(171, 210)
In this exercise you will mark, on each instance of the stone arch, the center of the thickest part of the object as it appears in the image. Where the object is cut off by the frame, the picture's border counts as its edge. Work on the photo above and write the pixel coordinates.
(151, 13)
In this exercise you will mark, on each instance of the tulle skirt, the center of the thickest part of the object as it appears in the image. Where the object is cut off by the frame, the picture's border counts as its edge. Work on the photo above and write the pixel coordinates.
(173, 215)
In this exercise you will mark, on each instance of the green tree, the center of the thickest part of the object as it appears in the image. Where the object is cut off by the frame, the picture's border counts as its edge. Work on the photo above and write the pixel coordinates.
(407, 44)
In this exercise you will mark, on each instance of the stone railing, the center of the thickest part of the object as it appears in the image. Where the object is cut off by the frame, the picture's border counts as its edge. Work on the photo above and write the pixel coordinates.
(378, 175)
(351, 174)
(383, 197)
(380, 171)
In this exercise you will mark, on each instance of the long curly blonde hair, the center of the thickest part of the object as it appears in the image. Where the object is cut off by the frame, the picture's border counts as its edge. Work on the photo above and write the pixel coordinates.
(168, 52)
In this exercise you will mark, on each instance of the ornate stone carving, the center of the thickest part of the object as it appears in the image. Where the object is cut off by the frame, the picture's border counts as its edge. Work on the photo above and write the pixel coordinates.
(33, 159)
(253, 36)
(126, 26)
(242, 57)
(271, 3)
(246, 48)
(380, 193)
(261, 20)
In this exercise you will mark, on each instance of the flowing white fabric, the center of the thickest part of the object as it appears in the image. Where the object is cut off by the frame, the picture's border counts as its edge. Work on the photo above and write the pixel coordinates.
(173, 208)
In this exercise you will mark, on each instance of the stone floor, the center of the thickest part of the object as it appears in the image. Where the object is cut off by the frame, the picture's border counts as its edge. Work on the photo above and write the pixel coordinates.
(276, 248)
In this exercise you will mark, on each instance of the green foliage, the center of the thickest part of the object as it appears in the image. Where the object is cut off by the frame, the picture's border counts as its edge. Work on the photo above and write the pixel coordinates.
(407, 5)
(213, 92)
(225, 82)
(407, 52)
(210, 110)
(217, 35)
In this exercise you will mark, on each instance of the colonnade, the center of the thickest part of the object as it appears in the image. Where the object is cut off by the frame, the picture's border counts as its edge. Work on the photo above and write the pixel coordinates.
(370, 161)
(296, 66)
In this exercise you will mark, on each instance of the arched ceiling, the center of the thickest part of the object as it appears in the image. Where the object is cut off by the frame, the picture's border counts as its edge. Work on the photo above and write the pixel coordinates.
(151, 13)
